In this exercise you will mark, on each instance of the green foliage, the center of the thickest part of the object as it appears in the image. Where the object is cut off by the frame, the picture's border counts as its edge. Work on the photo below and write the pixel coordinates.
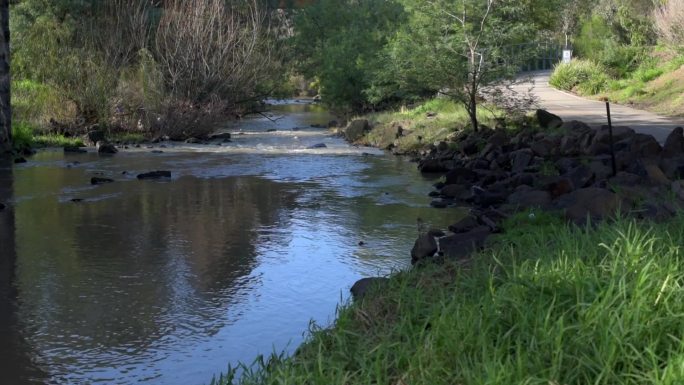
(337, 42)
(585, 75)
(22, 136)
(549, 303)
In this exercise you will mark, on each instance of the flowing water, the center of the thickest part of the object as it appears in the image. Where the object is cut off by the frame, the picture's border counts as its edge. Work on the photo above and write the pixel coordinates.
(168, 282)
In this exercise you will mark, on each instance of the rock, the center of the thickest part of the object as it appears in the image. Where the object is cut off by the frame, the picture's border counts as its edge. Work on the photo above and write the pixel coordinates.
(566, 164)
(464, 225)
(431, 165)
(333, 124)
(434, 194)
(673, 167)
(272, 130)
(548, 120)
(424, 247)
(19, 160)
(157, 152)
(498, 139)
(625, 179)
(364, 285)
(560, 186)
(569, 145)
(674, 144)
(456, 191)
(575, 127)
(601, 168)
(521, 159)
(645, 146)
(531, 198)
(620, 133)
(155, 175)
(98, 180)
(356, 129)
(317, 145)
(484, 198)
(463, 245)
(439, 204)
(581, 176)
(460, 175)
(545, 147)
(2, 206)
(106, 148)
(442, 146)
(193, 141)
(74, 149)
(592, 202)
(220, 136)
(77, 200)
(318, 126)
(436, 233)
(95, 136)
(656, 175)
(678, 188)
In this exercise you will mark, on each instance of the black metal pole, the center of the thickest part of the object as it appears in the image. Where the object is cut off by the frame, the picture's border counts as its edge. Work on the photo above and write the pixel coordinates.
(610, 134)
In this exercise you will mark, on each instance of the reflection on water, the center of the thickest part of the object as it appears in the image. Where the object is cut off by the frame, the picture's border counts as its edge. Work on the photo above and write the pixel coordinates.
(166, 282)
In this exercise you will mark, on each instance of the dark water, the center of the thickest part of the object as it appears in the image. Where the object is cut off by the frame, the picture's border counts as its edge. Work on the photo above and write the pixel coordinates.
(167, 282)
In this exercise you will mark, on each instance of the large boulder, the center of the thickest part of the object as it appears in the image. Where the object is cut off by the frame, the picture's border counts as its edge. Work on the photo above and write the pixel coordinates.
(548, 120)
(364, 285)
(463, 245)
(595, 203)
(424, 247)
(674, 144)
(356, 129)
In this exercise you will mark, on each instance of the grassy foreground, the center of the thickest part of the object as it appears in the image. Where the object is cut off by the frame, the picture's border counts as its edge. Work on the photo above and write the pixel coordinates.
(547, 303)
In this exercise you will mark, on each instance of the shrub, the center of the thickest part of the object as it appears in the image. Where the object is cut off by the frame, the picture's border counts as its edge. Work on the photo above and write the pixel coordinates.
(585, 75)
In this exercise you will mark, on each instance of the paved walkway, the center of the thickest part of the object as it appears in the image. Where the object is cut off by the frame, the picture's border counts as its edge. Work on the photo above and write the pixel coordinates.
(571, 107)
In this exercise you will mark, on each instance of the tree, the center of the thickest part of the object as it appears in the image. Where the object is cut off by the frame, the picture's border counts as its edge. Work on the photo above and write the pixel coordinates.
(5, 105)
(338, 41)
(459, 47)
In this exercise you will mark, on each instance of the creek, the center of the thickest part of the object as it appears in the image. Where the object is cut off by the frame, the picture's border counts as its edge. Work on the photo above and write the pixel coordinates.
(168, 282)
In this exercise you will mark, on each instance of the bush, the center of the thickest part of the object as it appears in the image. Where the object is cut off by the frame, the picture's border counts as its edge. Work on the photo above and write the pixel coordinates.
(585, 75)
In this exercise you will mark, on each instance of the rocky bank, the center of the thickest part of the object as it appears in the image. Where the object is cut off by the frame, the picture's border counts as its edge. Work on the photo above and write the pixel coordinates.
(566, 167)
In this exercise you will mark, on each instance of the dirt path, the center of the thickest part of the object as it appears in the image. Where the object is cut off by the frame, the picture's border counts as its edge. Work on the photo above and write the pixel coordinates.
(571, 107)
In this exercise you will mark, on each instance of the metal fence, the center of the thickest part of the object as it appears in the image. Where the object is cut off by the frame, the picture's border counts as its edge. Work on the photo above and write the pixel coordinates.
(536, 56)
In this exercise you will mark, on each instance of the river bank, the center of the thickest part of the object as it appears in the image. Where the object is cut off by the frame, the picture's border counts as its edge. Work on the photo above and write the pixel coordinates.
(564, 272)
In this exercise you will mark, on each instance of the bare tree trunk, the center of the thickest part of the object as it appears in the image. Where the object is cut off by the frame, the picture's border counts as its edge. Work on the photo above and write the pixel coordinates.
(5, 106)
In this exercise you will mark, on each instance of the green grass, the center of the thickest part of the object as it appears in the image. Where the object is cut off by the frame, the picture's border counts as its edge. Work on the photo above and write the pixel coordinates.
(55, 140)
(548, 303)
(419, 128)
(584, 76)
